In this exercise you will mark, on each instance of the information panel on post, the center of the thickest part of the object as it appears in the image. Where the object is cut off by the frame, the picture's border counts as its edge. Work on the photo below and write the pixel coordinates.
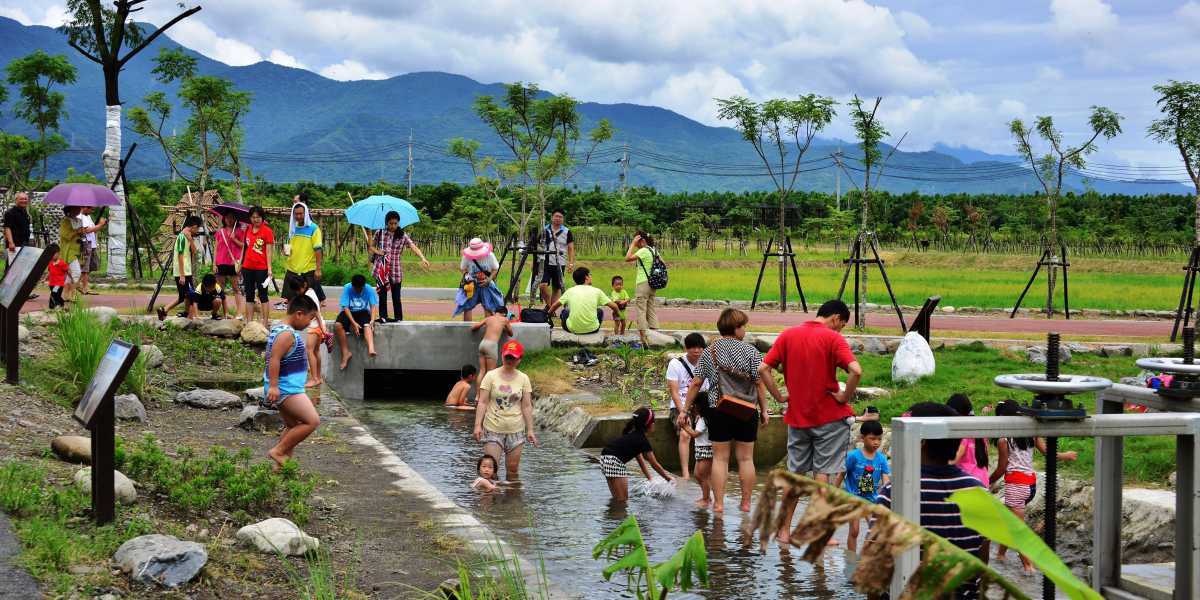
(24, 272)
(109, 374)
(95, 411)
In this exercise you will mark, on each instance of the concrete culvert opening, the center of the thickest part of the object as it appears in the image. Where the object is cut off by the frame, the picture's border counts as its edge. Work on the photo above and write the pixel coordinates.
(407, 384)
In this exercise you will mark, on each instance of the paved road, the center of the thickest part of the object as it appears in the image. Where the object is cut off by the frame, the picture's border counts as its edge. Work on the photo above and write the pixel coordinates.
(687, 314)
(15, 582)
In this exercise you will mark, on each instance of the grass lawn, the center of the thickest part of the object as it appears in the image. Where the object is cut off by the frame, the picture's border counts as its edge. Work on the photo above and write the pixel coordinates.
(991, 281)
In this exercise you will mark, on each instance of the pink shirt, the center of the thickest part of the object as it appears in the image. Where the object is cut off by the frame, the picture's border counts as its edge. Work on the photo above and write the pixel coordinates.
(227, 251)
(968, 464)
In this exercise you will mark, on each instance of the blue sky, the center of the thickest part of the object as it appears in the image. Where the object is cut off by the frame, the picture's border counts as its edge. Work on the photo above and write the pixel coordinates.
(950, 72)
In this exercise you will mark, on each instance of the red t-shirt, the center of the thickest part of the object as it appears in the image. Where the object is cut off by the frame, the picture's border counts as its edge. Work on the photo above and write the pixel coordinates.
(256, 247)
(811, 354)
(58, 273)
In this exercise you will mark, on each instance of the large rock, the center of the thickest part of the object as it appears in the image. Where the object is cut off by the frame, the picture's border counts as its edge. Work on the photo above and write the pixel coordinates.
(128, 407)
(154, 356)
(209, 399)
(558, 337)
(254, 333)
(874, 345)
(22, 333)
(104, 314)
(227, 328)
(180, 323)
(123, 487)
(73, 448)
(276, 536)
(1116, 350)
(1037, 355)
(162, 559)
(257, 418)
(658, 339)
(913, 359)
(255, 395)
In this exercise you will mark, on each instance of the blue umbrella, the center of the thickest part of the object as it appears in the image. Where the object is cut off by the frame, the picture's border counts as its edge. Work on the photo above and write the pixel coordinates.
(371, 212)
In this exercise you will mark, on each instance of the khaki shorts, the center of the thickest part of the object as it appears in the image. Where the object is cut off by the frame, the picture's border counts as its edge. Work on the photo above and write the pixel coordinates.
(820, 449)
(507, 441)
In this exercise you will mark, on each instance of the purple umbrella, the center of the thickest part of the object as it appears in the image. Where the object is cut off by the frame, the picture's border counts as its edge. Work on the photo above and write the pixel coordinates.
(82, 194)
(240, 211)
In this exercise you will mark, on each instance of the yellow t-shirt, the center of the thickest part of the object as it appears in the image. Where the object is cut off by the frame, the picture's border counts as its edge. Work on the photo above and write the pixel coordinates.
(68, 240)
(504, 401)
(305, 241)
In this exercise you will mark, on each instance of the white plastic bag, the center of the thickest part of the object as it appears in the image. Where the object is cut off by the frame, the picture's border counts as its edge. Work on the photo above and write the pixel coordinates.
(913, 360)
(654, 488)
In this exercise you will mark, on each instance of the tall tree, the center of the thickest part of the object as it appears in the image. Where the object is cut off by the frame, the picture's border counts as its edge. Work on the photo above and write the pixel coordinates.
(100, 34)
(39, 105)
(1179, 102)
(214, 110)
(778, 128)
(1057, 161)
(542, 136)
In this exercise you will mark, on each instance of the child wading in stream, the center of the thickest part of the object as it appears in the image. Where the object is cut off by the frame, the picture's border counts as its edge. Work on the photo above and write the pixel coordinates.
(460, 393)
(698, 431)
(284, 377)
(633, 443)
(486, 468)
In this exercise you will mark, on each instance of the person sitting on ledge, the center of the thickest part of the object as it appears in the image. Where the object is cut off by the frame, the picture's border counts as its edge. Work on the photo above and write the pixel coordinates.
(359, 308)
(581, 304)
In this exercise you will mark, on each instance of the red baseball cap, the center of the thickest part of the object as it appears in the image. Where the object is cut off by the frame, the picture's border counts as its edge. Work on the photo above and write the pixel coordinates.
(512, 348)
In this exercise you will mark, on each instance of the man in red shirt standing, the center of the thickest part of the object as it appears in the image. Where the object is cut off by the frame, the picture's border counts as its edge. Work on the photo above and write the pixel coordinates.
(817, 412)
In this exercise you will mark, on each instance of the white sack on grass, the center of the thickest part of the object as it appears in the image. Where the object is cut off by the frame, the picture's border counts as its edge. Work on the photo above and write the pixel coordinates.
(913, 360)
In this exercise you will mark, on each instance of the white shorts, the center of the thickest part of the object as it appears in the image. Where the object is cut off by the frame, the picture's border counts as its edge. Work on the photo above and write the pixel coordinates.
(74, 272)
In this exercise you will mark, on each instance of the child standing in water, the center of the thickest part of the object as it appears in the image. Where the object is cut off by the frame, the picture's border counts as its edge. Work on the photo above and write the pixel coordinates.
(284, 377)
(494, 325)
(1014, 461)
(698, 431)
(457, 399)
(486, 468)
(633, 443)
(867, 471)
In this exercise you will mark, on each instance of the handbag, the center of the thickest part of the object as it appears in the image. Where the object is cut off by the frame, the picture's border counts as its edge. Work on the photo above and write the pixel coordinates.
(535, 315)
(738, 392)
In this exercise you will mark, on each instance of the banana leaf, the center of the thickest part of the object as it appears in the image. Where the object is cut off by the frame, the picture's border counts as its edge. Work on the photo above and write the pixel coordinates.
(983, 513)
(691, 559)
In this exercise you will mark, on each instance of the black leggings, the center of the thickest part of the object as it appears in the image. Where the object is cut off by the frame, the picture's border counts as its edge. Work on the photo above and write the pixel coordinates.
(383, 302)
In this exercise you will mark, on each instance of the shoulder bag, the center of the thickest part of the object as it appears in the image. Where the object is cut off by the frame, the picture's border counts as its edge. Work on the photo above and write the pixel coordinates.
(738, 392)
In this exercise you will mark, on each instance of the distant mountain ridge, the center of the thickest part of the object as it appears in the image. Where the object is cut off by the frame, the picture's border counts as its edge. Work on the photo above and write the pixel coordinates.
(303, 126)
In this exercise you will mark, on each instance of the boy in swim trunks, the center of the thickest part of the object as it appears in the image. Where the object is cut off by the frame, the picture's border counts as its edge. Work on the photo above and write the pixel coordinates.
(284, 377)
(461, 391)
(494, 326)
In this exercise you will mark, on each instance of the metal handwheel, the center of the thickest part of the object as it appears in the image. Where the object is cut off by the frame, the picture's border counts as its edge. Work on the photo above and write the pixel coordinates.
(1063, 385)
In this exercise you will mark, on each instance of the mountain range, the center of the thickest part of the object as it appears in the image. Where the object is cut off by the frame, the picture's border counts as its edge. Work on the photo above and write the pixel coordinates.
(303, 126)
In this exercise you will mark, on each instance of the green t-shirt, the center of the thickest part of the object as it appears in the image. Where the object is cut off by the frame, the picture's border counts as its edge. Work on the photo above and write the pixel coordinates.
(645, 256)
(582, 302)
(618, 297)
(183, 247)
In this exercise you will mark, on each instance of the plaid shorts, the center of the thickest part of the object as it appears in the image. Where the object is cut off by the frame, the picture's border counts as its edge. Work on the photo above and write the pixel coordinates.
(704, 453)
(612, 466)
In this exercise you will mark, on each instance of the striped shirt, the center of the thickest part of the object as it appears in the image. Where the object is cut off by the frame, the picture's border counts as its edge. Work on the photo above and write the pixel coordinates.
(941, 516)
(293, 367)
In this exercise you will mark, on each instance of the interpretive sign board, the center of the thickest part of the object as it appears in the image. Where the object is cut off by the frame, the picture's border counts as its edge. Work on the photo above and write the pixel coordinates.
(95, 411)
(24, 272)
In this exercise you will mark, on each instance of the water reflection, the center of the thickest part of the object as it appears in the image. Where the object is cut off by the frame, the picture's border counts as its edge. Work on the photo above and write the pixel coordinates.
(563, 507)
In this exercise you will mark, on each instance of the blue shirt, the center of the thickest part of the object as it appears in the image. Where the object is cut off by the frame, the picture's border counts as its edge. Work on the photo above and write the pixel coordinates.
(293, 367)
(357, 301)
(864, 476)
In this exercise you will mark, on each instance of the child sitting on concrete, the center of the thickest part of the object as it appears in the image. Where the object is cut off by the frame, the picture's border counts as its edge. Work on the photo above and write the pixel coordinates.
(459, 394)
(867, 471)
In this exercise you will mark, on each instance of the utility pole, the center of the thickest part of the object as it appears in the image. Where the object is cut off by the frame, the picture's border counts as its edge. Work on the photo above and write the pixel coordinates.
(624, 170)
(410, 169)
(837, 173)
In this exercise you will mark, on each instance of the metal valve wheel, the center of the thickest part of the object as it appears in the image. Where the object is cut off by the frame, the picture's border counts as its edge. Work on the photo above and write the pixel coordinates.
(1174, 366)
(1065, 384)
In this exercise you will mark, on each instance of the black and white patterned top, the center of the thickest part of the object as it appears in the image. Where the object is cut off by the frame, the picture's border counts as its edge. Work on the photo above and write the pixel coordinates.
(732, 354)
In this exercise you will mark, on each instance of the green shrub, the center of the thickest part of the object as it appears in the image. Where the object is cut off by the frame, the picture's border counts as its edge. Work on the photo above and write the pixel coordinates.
(83, 340)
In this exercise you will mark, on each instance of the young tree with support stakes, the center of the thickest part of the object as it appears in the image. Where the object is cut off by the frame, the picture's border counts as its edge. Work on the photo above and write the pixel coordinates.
(1179, 102)
(771, 127)
(1058, 161)
(542, 134)
(213, 123)
(34, 76)
(99, 34)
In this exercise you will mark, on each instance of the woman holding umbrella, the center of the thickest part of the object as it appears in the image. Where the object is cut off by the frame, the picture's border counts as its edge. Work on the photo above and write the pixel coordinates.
(74, 196)
(387, 245)
(231, 246)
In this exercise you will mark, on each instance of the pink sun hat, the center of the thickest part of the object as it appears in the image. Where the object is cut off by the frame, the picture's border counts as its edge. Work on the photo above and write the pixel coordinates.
(477, 249)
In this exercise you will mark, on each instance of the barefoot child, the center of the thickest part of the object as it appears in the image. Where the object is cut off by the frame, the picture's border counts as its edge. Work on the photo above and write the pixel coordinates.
(56, 277)
(619, 296)
(1014, 461)
(457, 399)
(494, 325)
(631, 444)
(359, 308)
(867, 471)
(210, 298)
(486, 468)
(283, 379)
(314, 335)
(698, 431)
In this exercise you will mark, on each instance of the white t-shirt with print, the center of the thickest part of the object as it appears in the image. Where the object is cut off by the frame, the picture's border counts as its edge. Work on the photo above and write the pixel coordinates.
(702, 429)
(678, 373)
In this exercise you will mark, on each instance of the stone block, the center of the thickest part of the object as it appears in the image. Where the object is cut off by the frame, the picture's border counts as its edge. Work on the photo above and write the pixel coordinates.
(161, 559)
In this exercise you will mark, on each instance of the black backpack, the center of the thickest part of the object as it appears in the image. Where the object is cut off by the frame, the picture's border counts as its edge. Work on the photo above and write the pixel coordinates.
(535, 315)
(657, 275)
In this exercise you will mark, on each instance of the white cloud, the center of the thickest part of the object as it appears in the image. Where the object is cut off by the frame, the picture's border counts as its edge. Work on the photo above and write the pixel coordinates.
(1190, 11)
(194, 34)
(280, 57)
(351, 70)
(693, 92)
(915, 26)
(1048, 73)
(56, 15)
(1072, 17)
(15, 13)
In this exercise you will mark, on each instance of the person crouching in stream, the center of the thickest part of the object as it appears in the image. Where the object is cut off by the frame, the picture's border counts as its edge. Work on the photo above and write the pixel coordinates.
(284, 377)
(632, 444)
(504, 410)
